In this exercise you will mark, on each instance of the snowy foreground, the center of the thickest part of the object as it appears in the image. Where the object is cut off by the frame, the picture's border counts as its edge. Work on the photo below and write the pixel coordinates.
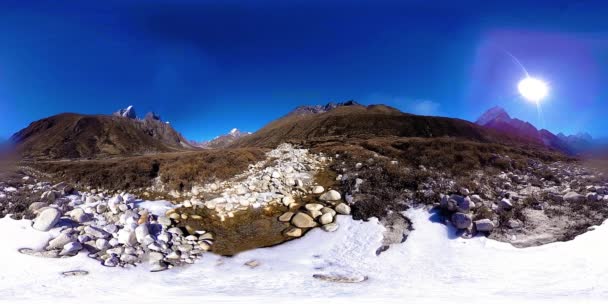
(431, 266)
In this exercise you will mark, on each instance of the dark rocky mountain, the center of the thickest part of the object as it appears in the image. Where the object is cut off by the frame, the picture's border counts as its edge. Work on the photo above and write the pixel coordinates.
(129, 112)
(498, 119)
(222, 141)
(70, 136)
(350, 120)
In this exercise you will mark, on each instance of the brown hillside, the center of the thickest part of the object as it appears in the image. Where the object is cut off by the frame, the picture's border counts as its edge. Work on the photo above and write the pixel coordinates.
(69, 136)
(361, 122)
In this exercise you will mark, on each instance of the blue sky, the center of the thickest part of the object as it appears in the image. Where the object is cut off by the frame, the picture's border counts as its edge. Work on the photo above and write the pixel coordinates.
(210, 66)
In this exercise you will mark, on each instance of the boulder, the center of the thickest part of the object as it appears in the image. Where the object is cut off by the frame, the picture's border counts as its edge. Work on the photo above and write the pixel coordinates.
(71, 248)
(573, 197)
(461, 220)
(294, 232)
(326, 219)
(288, 200)
(331, 227)
(96, 232)
(331, 195)
(60, 241)
(35, 207)
(343, 208)
(318, 189)
(484, 225)
(505, 204)
(46, 219)
(141, 232)
(286, 217)
(313, 207)
(303, 220)
(465, 205)
(102, 244)
(127, 237)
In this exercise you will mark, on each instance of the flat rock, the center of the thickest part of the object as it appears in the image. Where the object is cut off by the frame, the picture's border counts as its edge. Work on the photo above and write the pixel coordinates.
(574, 197)
(286, 217)
(293, 232)
(484, 225)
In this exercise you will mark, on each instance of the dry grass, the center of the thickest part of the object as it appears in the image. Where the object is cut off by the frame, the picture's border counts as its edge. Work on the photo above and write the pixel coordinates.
(388, 186)
(178, 170)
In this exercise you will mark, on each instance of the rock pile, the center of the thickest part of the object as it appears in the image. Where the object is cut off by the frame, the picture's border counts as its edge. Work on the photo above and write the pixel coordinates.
(116, 231)
(286, 174)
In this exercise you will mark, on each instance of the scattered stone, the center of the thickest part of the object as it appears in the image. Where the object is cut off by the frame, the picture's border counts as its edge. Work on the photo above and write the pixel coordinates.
(326, 219)
(331, 227)
(286, 217)
(318, 189)
(313, 207)
(303, 220)
(46, 219)
(252, 264)
(461, 220)
(505, 204)
(574, 197)
(331, 195)
(484, 225)
(343, 208)
(288, 200)
(96, 232)
(293, 232)
(71, 248)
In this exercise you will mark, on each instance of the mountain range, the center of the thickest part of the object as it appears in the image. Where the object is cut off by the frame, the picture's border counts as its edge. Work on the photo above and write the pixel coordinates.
(222, 141)
(72, 136)
(498, 119)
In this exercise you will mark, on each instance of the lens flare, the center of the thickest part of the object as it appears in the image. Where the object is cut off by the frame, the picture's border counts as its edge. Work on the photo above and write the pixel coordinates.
(533, 89)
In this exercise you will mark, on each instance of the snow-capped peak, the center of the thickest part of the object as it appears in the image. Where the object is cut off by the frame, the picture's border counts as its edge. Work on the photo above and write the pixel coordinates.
(234, 131)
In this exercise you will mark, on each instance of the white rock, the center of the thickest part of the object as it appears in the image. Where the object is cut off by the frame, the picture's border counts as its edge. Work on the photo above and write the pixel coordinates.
(318, 189)
(326, 219)
(331, 227)
(111, 261)
(127, 237)
(294, 232)
(288, 200)
(141, 232)
(343, 208)
(71, 248)
(46, 219)
(96, 232)
(303, 220)
(102, 244)
(331, 195)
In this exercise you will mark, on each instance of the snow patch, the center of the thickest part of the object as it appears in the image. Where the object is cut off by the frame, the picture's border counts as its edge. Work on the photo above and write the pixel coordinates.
(158, 208)
(431, 266)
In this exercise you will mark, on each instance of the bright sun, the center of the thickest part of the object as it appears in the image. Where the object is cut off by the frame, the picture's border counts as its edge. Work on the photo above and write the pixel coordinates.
(533, 89)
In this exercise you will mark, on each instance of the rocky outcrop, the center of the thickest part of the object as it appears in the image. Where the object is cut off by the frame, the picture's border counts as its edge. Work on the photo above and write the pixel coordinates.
(128, 112)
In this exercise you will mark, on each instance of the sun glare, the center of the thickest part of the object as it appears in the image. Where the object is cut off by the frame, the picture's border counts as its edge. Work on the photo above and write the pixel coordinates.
(533, 89)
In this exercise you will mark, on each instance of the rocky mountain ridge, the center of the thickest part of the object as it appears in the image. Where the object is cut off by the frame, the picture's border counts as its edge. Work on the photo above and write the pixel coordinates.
(498, 119)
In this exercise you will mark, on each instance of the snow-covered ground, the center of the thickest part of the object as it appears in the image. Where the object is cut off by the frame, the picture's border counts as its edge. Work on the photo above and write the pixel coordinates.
(431, 266)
